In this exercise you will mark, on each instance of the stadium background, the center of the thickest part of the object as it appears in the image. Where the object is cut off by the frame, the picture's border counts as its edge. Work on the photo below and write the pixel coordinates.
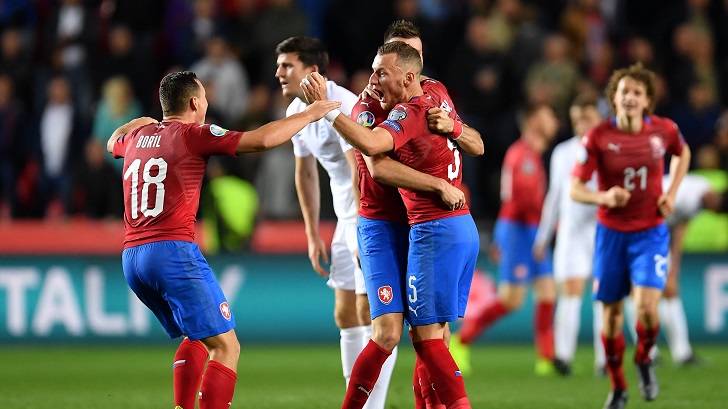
(60, 208)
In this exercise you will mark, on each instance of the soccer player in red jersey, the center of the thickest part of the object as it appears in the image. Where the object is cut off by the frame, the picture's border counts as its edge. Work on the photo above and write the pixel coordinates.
(164, 164)
(382, 225)
(630, 253)
(523, 188)
(443, 241)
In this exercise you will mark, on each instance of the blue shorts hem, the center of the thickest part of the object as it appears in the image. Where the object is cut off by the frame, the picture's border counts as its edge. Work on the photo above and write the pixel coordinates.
(211, 333)
(432, 320)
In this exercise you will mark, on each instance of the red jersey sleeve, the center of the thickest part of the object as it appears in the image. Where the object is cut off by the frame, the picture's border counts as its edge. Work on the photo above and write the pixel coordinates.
(120, 146)
(674, 139)
(404, 123)
(587, 156)
(208, 140)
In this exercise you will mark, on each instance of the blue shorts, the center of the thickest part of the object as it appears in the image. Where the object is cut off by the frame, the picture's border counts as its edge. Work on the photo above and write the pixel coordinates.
(625, 259)
(515, 244)
(383, 249)
(442, 256)
(173, 279)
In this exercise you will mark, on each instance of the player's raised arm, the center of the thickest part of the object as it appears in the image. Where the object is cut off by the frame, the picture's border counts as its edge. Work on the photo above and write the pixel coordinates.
(126, 128)
(466, 137)
(275, 133)
(369, 142)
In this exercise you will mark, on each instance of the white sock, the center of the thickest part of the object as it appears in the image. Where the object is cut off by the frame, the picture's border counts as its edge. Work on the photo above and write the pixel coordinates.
(351, 347)
(600, 361)
(566, 327)
(676, 327)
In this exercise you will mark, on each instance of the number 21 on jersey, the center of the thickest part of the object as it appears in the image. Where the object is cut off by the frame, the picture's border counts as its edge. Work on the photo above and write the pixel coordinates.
(133, 172)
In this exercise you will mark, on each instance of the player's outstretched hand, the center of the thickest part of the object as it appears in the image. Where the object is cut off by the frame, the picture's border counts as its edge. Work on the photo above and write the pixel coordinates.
(666, 205)
(142, 121)
(453, 197)
(319, 109)
(314, 87)
(439, 121)
(616, 196)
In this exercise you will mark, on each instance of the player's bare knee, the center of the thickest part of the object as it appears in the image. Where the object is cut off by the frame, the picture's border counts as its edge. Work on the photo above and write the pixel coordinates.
(346, 318)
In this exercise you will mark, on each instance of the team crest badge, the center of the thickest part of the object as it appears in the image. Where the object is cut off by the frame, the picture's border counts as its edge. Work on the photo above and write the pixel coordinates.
(657, 146)
(217, 130)
(365, 118)
(385, 294)
(397, 114)
(225, 311)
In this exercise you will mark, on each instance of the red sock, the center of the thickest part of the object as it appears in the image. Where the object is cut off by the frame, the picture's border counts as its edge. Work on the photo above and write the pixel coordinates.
(646, 339)
(432, 401)
(444, 373)
(544, 328)
(416, 388)
(189, 364)
(614, 350)
(364, 375)
(471, 328)
(218, 386)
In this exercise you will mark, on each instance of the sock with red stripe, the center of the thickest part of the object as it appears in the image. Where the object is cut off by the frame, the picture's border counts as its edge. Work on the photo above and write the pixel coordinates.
(218, 386)
(364, 375)
(444, 374)
(544, 329)
(614, 351)
(646, 339)
(471, 328)
(189, 364)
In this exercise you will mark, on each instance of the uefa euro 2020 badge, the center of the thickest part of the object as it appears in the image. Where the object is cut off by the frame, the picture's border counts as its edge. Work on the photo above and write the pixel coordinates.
(217, 130)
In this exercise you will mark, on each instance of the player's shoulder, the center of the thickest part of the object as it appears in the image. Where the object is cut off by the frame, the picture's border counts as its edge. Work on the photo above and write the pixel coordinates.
(430, 84)
(564, 147)
(295, 107)
(661, 123)
(335, 91)
(368, 112)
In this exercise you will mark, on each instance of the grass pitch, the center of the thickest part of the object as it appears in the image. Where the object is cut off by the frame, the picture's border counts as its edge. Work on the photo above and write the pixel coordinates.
(309, 377)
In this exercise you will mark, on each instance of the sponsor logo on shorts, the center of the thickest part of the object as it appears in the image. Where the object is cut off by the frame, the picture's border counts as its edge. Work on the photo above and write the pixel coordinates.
(225, 311)
(520, 272)
(385, 294)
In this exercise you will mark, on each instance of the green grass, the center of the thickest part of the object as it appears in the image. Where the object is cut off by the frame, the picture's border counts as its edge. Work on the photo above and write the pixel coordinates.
(291, 377)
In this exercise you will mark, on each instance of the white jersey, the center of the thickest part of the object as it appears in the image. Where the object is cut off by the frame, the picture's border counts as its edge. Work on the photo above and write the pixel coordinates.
(558, 206)
(324, 143)
(574, 248)
(689, 198)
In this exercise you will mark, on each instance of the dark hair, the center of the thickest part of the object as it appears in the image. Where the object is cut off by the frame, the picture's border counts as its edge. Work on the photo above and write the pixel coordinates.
(311, 51)
(585, 101)
(175, 91)
(639, 73)
(401, 29)
(529, 110)
(405, 52)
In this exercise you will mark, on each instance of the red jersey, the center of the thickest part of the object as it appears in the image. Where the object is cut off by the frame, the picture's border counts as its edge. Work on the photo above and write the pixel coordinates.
(163, 169)
(523, 184)
(635, 162)
(378, 201)
(438, 92)
(427, 152)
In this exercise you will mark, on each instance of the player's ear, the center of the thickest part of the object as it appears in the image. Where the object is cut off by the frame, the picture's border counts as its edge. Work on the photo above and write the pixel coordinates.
(194, 104)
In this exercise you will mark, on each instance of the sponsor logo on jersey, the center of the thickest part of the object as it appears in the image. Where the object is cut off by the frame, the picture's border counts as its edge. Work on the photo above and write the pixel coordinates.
(365, 118)
(225, 311)
(385, 294)
(392, 124)
(613, 147)
(657, 146)
(217, 130)
(397, 114)
(528, 167)
(445, 106)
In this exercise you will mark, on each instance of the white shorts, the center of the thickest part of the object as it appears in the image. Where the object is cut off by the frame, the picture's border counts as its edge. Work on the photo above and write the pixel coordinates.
(345, 273)
(574, 252)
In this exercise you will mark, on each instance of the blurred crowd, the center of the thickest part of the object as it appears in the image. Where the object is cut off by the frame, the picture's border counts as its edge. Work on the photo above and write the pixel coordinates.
(71, 71)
